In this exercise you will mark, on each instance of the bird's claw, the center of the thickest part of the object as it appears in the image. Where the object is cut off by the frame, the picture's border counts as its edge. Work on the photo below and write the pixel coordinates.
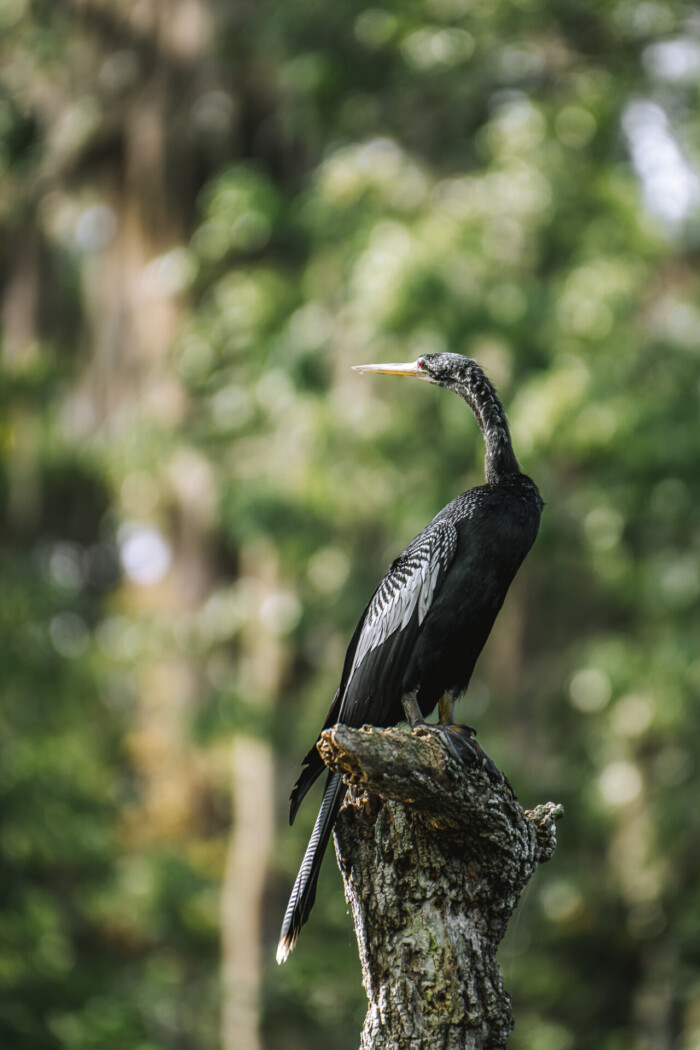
(459, 741)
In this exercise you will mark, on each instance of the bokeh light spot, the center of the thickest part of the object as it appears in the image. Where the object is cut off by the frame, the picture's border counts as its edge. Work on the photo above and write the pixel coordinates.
(561, 900)
(620, 783)
(69, 634)
(590, 690)
(328, 569)
(144, 552)
(632, 715)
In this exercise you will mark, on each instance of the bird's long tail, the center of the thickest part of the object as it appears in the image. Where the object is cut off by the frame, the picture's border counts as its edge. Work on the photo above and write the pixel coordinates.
(304, 892)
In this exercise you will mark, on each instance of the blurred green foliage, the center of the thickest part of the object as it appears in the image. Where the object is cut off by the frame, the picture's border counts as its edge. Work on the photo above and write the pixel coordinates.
(357, 185)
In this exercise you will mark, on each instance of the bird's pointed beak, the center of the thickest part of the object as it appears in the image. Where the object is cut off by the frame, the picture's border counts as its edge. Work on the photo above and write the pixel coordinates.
(408, 369)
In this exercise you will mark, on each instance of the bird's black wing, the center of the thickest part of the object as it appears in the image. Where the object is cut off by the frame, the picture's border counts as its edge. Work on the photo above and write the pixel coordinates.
(379, 649)
(395, 613)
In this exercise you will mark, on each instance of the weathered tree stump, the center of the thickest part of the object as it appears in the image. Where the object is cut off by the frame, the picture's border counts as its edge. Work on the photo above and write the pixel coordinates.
(434, 855)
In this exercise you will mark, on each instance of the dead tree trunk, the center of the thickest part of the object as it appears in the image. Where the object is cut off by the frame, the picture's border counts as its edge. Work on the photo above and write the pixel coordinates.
(434, 856)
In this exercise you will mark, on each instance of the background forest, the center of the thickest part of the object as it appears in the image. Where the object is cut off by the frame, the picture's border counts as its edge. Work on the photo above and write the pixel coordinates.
(209, 210)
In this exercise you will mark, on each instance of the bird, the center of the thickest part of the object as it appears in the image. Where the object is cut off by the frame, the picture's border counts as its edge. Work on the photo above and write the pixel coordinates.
(422, 631)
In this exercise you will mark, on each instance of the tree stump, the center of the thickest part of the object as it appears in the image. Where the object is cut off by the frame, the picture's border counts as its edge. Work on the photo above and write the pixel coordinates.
(434, 854)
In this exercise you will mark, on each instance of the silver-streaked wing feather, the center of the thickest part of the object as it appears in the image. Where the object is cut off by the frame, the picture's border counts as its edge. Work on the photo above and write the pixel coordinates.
(407, 588)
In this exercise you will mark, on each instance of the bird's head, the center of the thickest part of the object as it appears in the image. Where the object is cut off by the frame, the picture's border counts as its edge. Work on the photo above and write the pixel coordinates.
(465, 377)
(441, 369)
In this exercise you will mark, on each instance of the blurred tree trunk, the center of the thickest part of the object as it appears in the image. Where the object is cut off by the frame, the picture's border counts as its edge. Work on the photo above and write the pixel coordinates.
(241, 909)
(260, 669)
(129, 390)
(20, 332)
(132, 180)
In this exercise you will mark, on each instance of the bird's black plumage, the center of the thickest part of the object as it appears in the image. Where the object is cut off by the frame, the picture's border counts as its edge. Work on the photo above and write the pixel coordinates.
(419, 637)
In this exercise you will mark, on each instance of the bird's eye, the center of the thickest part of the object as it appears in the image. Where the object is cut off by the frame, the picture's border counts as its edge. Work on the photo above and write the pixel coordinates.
(421, 362)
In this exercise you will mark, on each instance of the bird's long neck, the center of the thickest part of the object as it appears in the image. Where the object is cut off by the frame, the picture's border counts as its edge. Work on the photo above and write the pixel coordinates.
(481, 396)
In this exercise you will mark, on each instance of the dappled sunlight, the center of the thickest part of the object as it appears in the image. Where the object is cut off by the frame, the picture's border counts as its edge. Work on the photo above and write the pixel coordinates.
(671, 187)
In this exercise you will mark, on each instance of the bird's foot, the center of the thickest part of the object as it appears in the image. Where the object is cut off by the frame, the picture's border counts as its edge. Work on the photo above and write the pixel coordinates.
(461, 728)
(459, 741)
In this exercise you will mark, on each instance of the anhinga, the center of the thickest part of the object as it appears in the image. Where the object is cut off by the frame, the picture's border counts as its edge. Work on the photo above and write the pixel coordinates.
(420, 636)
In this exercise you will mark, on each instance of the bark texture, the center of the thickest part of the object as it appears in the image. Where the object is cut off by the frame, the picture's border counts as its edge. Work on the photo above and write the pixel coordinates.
(435, 854)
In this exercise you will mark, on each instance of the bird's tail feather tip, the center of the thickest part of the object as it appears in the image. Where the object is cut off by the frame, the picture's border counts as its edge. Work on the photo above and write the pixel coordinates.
(285, 948)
